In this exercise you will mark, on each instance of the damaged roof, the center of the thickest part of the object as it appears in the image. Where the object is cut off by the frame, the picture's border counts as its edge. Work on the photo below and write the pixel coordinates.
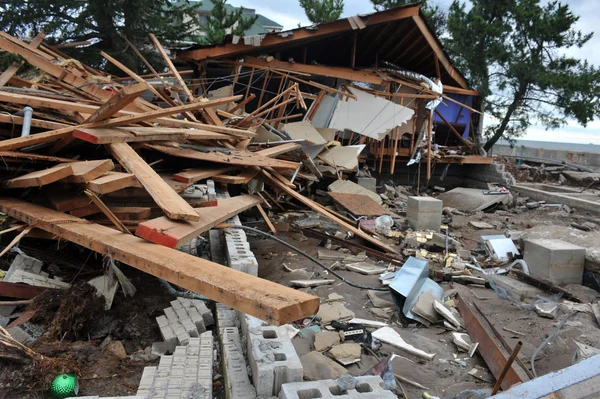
(400, 36)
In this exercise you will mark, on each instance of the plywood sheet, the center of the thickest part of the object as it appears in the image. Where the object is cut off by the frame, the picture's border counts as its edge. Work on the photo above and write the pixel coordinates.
(359, 205)
(348, 187)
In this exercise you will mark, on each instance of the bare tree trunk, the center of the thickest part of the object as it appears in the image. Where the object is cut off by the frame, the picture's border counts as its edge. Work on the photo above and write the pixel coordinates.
(518, 97)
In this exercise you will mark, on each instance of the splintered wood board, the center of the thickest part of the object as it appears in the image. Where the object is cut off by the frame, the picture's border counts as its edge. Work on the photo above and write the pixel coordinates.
(40, 177)
(165, 197)
(264, 299)
(112, 181)
(85, 171)
(359, 205)
(224, 156)
(173, 234)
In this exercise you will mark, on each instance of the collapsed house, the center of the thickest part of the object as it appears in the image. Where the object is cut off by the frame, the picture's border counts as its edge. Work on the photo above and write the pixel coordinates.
(215, 232)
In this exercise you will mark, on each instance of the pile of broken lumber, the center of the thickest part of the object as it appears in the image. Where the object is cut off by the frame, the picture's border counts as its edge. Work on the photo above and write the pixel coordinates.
(107, 169)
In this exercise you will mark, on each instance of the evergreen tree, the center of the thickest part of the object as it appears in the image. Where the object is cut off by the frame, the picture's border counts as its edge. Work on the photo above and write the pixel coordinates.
(103, 22)
(224, 19)
(515, 54)
(435, 16)
(319, 11)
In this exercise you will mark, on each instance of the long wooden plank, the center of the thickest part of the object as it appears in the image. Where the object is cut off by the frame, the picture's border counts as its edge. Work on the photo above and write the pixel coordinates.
(327, 214)
(20, 142)
(133, 134)
(165, 197)
(40, 177)
(106, 211)
(111, 182)
(122, 212)
(174, 234)
(86, 171)
(50, 103)
(18, 120)
(261, 298)
(25, 156)
(242, 178)
(224, 156)
(194, 175)
(278, 149)
(167, 60)
(117, 102)
(9, 73)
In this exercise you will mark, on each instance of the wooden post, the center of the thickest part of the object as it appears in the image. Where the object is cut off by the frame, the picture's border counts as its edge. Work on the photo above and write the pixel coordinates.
(429, 126)
(262, 91)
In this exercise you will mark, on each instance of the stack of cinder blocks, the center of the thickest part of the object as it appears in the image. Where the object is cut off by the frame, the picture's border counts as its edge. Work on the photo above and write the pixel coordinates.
(185, 319)
(271, 355)
(185, 374)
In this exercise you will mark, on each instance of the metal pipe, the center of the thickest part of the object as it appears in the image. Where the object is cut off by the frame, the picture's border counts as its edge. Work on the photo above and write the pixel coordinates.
(507, 366)
(28, 114)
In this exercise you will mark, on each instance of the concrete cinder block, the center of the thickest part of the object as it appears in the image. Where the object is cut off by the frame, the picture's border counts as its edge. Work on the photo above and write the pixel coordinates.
(555, 260)
(272, 358)
(237, 382)
(370, 183)
(367, 387)
(424, 213)
(204, 311)
(226, 317)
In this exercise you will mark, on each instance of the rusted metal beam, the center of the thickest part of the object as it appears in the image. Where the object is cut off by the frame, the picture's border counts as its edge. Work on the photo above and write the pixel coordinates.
(489, 348)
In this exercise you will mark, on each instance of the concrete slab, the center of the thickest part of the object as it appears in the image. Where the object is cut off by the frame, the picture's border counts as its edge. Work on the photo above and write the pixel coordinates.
(471, 199)
(424, 213)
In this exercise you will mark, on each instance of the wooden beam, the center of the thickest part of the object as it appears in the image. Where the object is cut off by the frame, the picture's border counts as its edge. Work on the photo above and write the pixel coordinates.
(144, 134)
(106, 211)
(20, 142)
(111, 182)
(118, 101)
(194, 175)
(165, 197)
(458, 90)
(40, 177)
(333, 72)
(263, 299)
(439, 52)
(9, 73)
(242, 178)
(223, 156)
(18, 120)
(167, 60)
(50, 103)
(25, 156)
(174, 234)
(300, 36)
(266, 218)
(456, 133)
(121, 212)
(86, 171)
(322, 211)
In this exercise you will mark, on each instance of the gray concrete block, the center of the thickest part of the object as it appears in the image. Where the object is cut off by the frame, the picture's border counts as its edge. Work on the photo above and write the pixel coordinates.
(272, 358)
(167, 333)
(204, 311)
(226, 317)
(555, 260)
(370, 183)
(368, 387)
(236, 380)
(424, 213)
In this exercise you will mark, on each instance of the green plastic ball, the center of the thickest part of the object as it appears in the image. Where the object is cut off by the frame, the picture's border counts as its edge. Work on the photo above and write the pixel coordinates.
(64, 386)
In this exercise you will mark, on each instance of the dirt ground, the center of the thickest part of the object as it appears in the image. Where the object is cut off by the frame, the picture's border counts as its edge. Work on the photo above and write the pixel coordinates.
(130, 321)
(441, 377)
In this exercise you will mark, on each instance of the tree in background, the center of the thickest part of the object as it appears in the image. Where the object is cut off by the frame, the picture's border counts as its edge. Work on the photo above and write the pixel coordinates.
(102, 22)
(435, 16)
(515, 54)
(319, 11)
(224, 19)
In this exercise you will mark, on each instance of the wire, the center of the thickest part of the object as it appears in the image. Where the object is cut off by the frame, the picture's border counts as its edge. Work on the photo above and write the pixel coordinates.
(562, 323)
(307, 256)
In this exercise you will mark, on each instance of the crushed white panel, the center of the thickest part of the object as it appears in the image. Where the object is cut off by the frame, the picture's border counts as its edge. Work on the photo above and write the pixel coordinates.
(369, 115)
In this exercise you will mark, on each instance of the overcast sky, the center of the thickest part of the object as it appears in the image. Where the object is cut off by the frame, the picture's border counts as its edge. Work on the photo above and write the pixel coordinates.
(289, 14)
